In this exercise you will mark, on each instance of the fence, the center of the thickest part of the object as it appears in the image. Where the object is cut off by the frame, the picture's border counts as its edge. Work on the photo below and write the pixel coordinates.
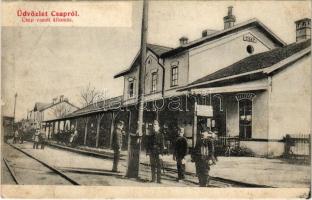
(226, 145)
(298, 147)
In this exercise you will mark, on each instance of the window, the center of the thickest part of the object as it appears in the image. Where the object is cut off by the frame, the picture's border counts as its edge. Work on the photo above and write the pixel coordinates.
(250, 49)
(174, 76)
(245, 118)
(131, 88)
(154, 82)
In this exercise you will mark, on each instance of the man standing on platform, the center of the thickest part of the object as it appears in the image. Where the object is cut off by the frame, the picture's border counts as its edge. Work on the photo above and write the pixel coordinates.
(201, 156)
(180, 151)
(117, 144)
(156, 147)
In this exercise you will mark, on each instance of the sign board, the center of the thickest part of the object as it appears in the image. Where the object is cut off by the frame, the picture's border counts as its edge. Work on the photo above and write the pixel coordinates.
(249, 38)
(204, 111)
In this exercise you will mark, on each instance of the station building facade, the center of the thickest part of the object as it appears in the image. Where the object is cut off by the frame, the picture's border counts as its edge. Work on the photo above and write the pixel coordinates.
(259, 87)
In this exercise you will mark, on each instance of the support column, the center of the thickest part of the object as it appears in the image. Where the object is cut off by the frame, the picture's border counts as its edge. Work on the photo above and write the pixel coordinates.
(86, 130)
(49, 131)
(53, 128)
(112, 130)
(58, 126)
(194, 125)
(98, 123)
(64, 125)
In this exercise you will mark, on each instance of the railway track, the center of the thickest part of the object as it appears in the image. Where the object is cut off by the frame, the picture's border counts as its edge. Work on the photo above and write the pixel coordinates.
(11, 172)
(16, 169)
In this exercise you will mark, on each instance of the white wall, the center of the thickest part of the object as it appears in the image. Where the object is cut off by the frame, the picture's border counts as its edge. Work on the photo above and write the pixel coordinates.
(260, 115)
(221, 53)
(290, 102)
(181, 60)
(232, 120)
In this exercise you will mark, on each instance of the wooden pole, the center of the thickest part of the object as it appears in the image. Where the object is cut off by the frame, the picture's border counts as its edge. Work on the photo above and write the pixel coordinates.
(141, 85)
(98, 123)
(15, 97)
(142, 66)
(86, 131)
(129, 129)
(49, 131)
(194, 125)
(111, 130)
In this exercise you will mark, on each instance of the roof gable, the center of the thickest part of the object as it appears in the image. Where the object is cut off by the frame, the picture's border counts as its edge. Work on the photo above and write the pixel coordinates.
(39, 106)
(43, 106)
(155, 49)
(218, 34)
(255, 62)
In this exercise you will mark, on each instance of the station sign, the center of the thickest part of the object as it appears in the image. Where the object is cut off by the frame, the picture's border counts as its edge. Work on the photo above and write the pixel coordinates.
(249, 38)
(204, 111)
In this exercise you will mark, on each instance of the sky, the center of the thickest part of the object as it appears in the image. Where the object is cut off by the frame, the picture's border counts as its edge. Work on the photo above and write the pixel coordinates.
(40, 63)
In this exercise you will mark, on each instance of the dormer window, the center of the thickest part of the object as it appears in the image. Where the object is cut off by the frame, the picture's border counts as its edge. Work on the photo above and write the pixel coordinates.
(154, 82)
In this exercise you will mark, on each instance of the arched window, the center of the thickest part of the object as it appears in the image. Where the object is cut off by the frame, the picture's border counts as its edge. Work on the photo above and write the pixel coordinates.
(245, 114)
(245, 118)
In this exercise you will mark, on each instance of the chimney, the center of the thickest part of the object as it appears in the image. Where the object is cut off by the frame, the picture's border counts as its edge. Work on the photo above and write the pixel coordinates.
(61, 98)
(54, 100)
(303, 29)
(207, 32)
(230, 19)
(183, 40)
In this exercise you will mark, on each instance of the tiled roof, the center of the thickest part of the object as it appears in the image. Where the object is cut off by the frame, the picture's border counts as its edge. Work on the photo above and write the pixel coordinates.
(111, 103)
(256, 62)
(41, 106)
(156, 49)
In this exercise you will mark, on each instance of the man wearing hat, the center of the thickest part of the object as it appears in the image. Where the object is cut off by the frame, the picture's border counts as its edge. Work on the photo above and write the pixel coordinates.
(117, 144)
(36, 138)
(156, 147)
(200, 155)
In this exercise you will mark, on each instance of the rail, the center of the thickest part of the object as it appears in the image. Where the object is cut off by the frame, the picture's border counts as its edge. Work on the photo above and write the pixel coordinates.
(48, 166)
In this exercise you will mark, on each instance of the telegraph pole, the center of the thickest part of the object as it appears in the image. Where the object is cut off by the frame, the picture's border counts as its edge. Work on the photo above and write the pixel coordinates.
(15, 97)
(134, 152)
(142, 69)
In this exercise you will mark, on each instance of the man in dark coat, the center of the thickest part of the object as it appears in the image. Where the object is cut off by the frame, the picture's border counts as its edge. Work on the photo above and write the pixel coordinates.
(156, 148)
(201, 155)
(117, 144)
(180, 151)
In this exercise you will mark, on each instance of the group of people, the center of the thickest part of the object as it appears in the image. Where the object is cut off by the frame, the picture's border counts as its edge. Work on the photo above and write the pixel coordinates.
(202, 154)
(67, 136)
(39, 138)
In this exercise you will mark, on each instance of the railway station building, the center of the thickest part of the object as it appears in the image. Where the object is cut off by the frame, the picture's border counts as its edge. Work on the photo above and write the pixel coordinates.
(256, 87)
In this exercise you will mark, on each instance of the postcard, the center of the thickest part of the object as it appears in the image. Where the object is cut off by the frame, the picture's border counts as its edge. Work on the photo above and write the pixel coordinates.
(156, 99)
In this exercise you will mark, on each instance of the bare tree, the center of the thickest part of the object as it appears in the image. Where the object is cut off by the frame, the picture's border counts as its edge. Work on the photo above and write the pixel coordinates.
(61, 109)
(88, 95)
